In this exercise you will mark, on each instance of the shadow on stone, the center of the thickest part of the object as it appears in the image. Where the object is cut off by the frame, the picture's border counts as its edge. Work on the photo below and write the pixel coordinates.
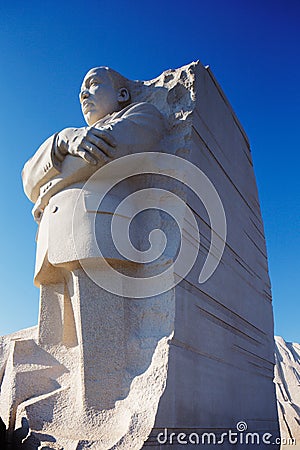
(22, 438)
(2, 434)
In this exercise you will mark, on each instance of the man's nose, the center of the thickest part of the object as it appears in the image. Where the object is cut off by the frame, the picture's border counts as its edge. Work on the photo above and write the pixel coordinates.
(84, 94)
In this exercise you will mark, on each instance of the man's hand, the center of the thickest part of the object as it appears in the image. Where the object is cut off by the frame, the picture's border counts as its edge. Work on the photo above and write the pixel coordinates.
(91, 144)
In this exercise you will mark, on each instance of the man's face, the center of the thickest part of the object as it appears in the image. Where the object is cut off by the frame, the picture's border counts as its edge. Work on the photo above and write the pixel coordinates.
(98, 96)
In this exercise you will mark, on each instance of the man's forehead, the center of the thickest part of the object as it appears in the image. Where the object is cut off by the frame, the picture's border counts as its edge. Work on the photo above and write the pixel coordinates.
(99, 72)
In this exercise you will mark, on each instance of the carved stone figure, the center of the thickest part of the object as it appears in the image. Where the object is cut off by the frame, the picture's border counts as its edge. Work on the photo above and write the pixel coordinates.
(52, 179)
(106, 370)
(66, 160)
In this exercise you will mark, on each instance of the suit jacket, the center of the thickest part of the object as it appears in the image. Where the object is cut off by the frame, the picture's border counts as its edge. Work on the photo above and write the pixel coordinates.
(55, 186)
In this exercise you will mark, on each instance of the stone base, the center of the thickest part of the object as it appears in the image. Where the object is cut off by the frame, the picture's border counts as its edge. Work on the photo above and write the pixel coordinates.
(53, 415)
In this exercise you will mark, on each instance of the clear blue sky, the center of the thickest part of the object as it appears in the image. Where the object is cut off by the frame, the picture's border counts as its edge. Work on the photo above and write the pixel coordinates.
(253, 49)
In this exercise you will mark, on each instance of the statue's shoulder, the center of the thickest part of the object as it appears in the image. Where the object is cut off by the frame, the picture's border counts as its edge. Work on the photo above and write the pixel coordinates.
(144, 108)
(142, 116)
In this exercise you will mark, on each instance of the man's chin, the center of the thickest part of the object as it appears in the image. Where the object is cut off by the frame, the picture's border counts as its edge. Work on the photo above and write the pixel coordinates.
(91, 118)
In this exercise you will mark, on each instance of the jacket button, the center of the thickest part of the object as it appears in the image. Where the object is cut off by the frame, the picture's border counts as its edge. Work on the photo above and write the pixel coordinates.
(54, 209)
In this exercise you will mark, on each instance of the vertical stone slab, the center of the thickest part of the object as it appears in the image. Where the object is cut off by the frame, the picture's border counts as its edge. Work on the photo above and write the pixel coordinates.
(221, 356)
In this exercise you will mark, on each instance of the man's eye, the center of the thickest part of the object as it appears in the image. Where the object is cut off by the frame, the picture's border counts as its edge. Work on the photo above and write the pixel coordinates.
(94, 83)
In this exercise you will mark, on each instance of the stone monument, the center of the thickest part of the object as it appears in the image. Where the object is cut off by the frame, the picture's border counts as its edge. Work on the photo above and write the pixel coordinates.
(155, 324)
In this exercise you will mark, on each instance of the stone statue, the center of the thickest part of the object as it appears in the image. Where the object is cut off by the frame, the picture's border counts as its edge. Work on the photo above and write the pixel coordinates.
(74, 311)
(106, 370)
(62, 164)
(84, 335)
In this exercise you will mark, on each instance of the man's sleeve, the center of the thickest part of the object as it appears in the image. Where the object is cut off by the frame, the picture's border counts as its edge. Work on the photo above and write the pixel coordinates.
(137, 129)
(40, 168)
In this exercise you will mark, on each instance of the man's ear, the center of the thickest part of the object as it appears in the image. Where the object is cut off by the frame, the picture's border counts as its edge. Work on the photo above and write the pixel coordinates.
(123, 95)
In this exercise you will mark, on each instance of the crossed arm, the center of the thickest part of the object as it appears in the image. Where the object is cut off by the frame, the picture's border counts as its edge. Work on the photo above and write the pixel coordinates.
(94, 146)
(91, 144)
(136, 128)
